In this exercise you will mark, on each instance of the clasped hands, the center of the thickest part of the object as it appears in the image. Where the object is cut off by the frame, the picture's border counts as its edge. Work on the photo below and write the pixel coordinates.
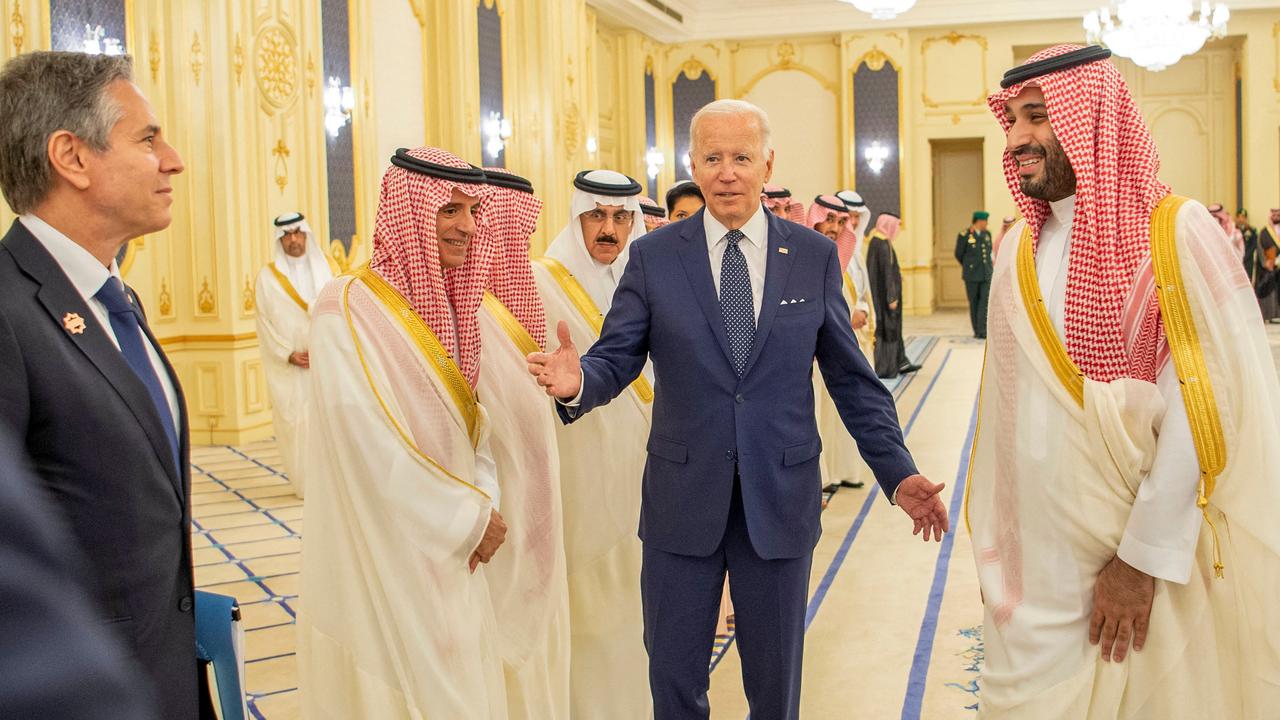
(561, 376)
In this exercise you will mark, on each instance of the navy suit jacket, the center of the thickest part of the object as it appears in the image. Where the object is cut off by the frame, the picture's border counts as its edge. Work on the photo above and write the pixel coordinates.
(100, 453)
(707, 421)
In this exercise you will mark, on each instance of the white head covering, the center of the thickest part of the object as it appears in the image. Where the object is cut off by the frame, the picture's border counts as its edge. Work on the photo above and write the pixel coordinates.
(605, 187)
(308, 273)
(857, 206)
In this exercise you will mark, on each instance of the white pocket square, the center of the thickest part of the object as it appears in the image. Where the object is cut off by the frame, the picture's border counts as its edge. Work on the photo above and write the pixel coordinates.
(792, 301)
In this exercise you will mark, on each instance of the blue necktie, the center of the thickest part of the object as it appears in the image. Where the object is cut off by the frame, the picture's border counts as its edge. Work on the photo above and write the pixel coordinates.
(128, 331)
(736, 307)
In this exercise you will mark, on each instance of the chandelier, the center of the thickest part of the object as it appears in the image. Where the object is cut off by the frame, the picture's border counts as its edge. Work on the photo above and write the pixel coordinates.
(882, 9)
(1156, 33)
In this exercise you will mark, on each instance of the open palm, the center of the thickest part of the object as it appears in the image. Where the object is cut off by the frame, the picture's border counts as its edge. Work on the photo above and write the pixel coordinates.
(919, 498)
(558, 372)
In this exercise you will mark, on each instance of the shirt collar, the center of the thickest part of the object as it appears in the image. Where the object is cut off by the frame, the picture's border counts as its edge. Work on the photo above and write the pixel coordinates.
(1064, 210)
(84, 270)
(755, 230)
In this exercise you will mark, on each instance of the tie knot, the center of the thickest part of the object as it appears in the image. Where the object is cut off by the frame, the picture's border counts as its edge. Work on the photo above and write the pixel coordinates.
(112, 295)
(733, 237)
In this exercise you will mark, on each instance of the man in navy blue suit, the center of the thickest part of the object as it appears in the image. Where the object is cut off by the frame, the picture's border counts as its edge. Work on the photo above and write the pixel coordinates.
(733, 307)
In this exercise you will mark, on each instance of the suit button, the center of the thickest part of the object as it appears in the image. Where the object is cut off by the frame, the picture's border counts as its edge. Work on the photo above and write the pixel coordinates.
(728, 455)
(739, 399)
(185, 604)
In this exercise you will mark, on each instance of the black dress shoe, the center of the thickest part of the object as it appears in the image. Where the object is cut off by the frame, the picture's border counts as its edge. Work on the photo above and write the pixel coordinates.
(855, 484)
(909, 368)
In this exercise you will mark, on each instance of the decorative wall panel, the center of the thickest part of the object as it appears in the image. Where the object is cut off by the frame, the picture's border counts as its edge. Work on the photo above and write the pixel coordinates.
(650, 125)
(693, 88)
(877, 124)
(339, 150)
(489, 42)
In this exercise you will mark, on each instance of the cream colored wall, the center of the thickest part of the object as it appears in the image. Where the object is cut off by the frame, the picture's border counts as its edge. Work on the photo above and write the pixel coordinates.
(803, 115)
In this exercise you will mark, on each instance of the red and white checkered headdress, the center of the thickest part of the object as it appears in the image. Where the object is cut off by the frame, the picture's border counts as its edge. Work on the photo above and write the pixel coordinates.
(511, 216)
(406, 252)
(1116, 165)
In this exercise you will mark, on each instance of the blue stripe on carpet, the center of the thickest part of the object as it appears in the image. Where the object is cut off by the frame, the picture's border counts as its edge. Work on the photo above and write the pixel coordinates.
(914, 699)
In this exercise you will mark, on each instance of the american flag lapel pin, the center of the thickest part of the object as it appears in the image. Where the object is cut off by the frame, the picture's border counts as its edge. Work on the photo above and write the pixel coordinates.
(784, 250)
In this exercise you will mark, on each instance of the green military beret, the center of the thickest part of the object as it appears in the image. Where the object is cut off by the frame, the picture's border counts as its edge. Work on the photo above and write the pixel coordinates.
(980, 215)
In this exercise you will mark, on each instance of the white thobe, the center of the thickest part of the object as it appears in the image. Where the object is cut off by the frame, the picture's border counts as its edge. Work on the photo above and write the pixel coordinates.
(1164, 525)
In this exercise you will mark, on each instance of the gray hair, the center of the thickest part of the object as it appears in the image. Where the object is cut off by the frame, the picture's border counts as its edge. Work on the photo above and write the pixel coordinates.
(733, 107)
(42, 93)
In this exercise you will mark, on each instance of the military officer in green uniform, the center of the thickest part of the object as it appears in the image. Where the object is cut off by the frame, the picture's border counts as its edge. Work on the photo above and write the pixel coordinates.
(1250, 235)
(973, 252)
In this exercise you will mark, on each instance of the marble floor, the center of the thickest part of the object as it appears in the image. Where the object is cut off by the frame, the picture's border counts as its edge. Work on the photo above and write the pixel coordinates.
(894, 624)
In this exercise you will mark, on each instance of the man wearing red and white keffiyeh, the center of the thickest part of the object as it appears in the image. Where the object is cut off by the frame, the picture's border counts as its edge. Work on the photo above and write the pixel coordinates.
(1088, 504)
(403, 511)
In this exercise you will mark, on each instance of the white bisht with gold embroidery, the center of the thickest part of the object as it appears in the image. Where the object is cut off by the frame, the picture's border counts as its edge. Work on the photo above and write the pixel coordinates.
(602, 460)
(527, 575)
(1057, 465)
(393, 624)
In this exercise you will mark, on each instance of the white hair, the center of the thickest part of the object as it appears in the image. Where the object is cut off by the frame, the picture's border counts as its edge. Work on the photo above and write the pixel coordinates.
(733, 107)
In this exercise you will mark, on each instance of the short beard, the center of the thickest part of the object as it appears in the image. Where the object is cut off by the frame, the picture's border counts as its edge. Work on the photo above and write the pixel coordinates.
(1058, 180)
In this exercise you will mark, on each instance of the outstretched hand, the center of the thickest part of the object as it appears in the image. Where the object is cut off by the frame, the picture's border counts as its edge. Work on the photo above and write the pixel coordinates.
(558, 372)
(919, 498)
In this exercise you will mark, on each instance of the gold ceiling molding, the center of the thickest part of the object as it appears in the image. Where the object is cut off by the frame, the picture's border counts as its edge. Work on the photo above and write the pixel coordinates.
(17, 29)
(953, 38)
(153, 56)
(276, 63)
(205, 301)
(197, 56)
(281, 153)
(901, 40)
(237, 58)
(648, 65)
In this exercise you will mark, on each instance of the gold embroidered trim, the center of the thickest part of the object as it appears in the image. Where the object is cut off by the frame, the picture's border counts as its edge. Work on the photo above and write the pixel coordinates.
(1063, 366)
(446, 369)
(510, 325)
(1188, 358)
(973, 447)
(288, 287)
(589, 312)
(364, 365)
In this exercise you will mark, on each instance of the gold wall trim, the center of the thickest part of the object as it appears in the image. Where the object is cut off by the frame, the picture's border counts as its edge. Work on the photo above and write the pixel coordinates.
(1275, 51)
(787, 62)
(954, 38)
(221, 339)
(153, 56)
(17, 29)
(197, 57)
(693, 68)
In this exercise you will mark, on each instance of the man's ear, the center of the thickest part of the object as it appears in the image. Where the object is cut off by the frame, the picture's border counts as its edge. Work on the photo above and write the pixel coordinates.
(67, 156)
(768, 166)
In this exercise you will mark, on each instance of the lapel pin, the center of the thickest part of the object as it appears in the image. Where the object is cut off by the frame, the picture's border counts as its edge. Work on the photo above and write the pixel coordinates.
(73, 323)
(783, 250)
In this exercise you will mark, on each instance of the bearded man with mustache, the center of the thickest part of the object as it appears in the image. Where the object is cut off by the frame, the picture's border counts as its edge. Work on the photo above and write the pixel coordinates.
(1126, 428)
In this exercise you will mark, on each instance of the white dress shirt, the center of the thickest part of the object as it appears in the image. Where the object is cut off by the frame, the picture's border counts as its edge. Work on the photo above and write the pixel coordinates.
(1164, 525)
(754, 247)
(88, 275)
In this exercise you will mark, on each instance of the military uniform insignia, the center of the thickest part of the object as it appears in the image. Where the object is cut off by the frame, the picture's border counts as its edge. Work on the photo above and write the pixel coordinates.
(73, 323)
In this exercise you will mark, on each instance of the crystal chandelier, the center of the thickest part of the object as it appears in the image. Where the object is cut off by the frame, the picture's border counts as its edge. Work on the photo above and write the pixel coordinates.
(882, 9)
(1156, 33)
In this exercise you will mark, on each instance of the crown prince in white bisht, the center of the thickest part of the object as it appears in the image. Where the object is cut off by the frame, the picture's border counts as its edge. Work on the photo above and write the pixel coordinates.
(1124, 482)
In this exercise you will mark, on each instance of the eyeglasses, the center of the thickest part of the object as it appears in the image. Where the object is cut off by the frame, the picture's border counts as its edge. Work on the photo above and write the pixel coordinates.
(597, 216)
